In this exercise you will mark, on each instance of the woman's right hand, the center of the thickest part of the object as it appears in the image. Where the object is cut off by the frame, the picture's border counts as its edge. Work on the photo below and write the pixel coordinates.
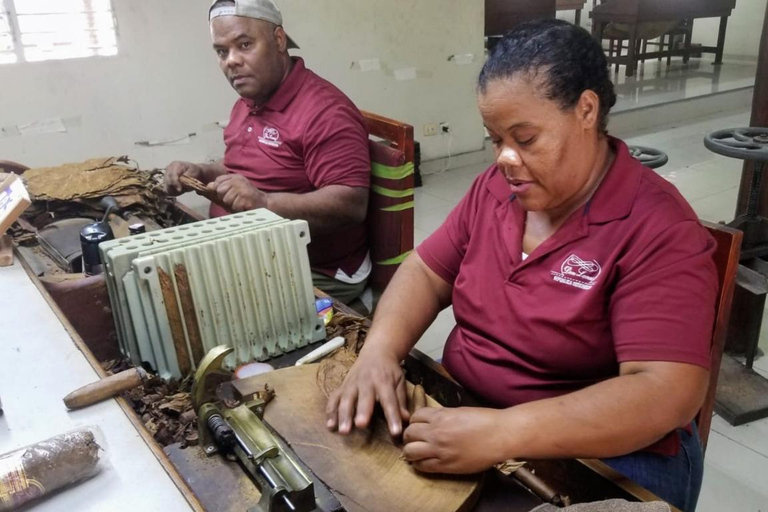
(175, 170)
(375, 377)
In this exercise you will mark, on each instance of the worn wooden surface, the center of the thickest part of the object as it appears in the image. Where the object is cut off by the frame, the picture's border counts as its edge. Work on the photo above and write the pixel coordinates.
(365, 469)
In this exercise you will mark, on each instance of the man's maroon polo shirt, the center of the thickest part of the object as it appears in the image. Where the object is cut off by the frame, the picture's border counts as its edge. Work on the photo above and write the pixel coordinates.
(628, 277)
(307, 136)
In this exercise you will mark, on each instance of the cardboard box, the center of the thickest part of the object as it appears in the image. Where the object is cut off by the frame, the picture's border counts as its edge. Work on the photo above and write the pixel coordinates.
(14, 199)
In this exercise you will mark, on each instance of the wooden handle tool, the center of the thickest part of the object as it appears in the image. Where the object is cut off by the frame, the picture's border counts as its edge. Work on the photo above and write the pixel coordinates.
(105, 388)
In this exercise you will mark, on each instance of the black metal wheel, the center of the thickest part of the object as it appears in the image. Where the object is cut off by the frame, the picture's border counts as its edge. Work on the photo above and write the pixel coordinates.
(741, 143)
(649, 157)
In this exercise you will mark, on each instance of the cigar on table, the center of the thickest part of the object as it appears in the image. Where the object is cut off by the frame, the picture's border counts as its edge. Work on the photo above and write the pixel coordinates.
(105, 388)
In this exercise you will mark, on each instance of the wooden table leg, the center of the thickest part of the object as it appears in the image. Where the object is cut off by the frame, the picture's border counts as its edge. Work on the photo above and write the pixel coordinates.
(721, 40)
(687, 41)
(632, 51)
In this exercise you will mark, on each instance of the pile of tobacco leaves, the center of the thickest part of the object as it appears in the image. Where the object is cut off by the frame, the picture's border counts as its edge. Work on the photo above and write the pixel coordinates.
(165, 407)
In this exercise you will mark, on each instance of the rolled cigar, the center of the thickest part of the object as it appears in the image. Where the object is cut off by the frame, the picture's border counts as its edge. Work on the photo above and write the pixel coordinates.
(199, 187)
(105, 388)
(30, 473)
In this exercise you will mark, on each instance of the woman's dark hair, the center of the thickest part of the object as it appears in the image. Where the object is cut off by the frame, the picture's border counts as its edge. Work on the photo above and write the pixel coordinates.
(564, 58)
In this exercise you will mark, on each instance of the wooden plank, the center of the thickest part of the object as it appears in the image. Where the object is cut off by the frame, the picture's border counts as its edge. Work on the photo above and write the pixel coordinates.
(6, 251)
(365, 469)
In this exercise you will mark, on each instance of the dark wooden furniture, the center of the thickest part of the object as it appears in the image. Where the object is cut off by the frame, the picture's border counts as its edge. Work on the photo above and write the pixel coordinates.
(390, 207)
(727, 262)
(635, 12)
(12, 167)
(503, 15)
(571, 5)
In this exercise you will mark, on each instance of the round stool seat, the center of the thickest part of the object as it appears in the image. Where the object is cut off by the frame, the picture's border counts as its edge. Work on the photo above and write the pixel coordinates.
(741, 143)
(649, 157)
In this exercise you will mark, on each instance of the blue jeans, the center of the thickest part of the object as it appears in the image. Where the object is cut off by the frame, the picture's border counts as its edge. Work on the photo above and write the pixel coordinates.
(676, 480)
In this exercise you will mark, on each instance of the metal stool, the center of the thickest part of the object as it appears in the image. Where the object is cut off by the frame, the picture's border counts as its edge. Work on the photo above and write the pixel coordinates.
(649, 157)
(746, 144)
(742, 394)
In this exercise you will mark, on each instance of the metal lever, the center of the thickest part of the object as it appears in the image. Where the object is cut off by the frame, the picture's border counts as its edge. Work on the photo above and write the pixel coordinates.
(227, 438)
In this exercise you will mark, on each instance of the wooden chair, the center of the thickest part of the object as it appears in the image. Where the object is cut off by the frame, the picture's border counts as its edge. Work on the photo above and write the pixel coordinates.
(727, 263)
(12, 167)
(390, 207)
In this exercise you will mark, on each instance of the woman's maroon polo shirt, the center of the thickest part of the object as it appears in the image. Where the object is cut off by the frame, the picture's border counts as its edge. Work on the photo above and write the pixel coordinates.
(628, 277)
(307, 136)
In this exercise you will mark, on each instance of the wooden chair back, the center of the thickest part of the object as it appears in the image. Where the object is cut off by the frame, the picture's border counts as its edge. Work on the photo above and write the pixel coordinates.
(390, 208)
(12, 167)
(727, 262)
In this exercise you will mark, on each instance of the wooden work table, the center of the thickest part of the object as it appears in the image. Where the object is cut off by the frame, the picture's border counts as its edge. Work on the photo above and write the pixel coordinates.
(48, 358)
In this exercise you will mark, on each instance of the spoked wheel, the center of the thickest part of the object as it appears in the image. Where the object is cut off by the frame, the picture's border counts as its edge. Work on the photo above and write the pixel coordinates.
(649, 157)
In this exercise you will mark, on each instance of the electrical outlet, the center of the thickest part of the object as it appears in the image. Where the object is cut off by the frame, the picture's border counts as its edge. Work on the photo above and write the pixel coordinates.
(444, 127)
(430, 130)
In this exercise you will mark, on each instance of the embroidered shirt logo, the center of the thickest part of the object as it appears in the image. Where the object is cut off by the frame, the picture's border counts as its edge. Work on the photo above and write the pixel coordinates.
(271, 137)
(578, 273)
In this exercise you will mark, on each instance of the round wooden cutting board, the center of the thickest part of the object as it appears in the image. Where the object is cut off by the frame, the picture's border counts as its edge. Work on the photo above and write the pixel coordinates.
(365, 469)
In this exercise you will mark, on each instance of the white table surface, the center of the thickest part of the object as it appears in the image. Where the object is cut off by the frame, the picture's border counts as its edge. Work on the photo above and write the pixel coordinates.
(39, 365)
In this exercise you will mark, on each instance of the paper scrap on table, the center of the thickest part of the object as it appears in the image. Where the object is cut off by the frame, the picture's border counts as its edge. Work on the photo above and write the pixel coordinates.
(367, 65)
(14, 199)
(405, 74)
(51, 125)
(462, 59)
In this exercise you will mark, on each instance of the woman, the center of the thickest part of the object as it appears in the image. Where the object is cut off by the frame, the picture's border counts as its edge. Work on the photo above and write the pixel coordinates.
(582, 284)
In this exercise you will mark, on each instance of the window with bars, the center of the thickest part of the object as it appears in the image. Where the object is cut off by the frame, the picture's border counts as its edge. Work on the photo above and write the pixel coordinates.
(36, 30)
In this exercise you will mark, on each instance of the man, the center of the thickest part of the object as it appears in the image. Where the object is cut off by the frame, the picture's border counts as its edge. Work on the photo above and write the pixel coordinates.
(295, 144)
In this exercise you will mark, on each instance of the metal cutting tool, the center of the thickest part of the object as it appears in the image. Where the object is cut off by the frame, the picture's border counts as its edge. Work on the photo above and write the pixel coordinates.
(233, 425)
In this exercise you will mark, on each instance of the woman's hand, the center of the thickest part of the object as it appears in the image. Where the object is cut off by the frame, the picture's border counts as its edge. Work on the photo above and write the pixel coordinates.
(460, 440)
(375, 377)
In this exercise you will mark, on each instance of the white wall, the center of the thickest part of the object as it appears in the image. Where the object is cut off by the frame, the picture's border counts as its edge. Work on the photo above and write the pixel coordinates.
(165, 81)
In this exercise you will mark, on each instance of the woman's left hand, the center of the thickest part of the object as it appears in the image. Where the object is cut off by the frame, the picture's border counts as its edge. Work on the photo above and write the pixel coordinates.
(454, 440)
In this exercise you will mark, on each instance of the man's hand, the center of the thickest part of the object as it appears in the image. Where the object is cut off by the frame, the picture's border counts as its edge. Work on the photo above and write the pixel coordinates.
(375, 377)
(460, 440)
(175, 170)
(237, 194)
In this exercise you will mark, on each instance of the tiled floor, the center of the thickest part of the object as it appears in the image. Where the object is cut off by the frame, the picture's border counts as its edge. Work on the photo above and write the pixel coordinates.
(736, 474)
(656, 83)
